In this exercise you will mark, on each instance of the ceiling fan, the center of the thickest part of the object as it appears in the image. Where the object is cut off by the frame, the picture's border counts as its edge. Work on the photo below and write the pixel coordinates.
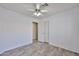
(38, 9)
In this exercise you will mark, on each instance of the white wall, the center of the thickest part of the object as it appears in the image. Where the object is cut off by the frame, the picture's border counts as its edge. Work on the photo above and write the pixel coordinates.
(64, 29)
(15, 30)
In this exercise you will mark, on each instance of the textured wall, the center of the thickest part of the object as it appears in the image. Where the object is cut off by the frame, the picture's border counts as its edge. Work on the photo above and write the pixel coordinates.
(15, 30)
(63, 29)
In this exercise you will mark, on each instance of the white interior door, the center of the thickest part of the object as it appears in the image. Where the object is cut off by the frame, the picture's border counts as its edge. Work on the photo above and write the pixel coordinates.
(43, 31)
(46, 31)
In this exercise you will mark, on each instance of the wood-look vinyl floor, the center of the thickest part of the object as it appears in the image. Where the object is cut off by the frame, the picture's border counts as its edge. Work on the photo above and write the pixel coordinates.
(39, 49)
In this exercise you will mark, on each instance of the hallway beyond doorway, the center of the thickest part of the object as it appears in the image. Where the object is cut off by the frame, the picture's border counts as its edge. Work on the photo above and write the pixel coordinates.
(35, 31)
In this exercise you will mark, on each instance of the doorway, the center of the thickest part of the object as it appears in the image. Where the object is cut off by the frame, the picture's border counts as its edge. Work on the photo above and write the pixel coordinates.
(35, 31)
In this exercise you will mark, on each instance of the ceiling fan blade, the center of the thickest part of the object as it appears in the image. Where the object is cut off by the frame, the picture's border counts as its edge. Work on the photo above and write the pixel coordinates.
(38, 6)
(30, 9)
(44, 10)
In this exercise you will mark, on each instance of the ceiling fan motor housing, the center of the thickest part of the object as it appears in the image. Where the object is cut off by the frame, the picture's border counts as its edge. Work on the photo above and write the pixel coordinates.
(37, 10)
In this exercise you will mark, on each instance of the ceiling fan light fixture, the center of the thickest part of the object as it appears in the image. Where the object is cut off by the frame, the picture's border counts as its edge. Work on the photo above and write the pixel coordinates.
(37, 13)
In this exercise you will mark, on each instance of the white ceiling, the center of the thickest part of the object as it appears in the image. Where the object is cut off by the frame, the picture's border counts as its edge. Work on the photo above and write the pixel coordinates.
(52, 8)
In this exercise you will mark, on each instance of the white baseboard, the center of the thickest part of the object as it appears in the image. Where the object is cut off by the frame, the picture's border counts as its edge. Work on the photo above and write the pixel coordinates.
(63, 47)
(14, 47)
